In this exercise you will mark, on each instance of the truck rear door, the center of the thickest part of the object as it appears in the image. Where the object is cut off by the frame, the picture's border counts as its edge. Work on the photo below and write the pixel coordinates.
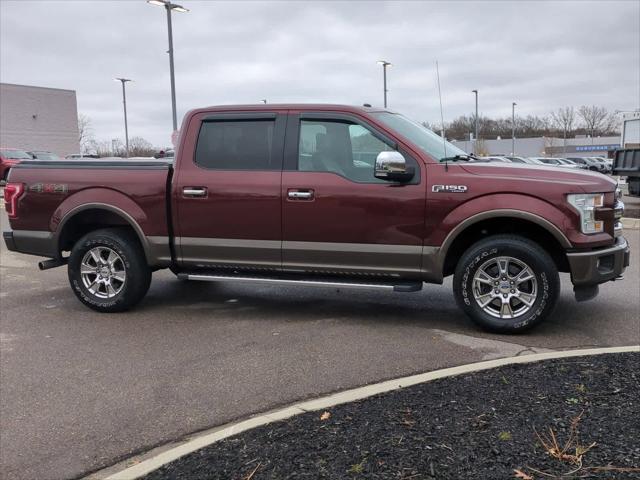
(226, 192)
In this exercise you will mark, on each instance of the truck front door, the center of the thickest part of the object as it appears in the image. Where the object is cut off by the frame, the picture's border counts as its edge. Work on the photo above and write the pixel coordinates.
(227, 191)
(337, 217)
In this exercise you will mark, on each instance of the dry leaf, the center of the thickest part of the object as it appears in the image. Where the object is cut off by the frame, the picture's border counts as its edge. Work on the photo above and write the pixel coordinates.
(520, 474)
(325, 416)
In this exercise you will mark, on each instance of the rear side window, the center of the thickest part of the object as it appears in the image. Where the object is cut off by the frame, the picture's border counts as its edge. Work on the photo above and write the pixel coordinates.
(236, 145)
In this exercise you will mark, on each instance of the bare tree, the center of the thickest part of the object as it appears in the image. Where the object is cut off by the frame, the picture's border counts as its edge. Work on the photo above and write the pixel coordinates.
(563, 119)
(139, 147)
(596, 119)
(85, 133)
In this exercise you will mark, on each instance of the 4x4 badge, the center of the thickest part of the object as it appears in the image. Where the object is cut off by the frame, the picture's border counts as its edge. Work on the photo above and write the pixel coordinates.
(449, 189)
(48, 188)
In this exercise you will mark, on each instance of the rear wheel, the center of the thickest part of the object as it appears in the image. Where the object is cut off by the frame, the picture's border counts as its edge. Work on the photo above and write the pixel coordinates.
(506, 284)
(108, 271)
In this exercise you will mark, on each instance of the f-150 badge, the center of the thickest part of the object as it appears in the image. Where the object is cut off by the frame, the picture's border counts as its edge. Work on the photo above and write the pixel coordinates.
(449, 189)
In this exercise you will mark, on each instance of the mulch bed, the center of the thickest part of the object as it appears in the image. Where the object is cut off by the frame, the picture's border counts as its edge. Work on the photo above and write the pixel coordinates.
(486, 425)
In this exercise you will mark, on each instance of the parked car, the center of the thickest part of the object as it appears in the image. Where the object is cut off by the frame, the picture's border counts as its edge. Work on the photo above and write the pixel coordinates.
(79, 155)
(271, 194)
(604, 164)
(494, 159)
(523, 160)
(588, 163)
(556, 162)
(42, 155)
(10, 157)
(571, 164)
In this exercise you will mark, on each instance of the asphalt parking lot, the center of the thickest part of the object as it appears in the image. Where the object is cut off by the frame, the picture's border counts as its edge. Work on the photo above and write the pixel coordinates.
(80, 391)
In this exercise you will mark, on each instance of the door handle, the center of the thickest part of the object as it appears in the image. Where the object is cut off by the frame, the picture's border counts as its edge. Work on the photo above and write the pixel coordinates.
(194, 191)
(300, 195)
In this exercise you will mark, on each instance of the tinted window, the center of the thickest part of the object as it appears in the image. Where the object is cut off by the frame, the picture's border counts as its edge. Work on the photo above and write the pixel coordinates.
(236, 145)
(343, 148)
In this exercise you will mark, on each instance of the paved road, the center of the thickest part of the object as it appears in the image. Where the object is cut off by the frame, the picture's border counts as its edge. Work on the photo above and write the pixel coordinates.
(80, 390)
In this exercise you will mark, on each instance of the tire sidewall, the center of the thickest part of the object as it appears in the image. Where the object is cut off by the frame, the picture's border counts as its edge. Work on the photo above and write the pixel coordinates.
(542, 267)
(122, 299)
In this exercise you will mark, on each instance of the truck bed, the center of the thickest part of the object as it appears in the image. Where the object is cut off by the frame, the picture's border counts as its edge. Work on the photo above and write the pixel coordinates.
(55, 191)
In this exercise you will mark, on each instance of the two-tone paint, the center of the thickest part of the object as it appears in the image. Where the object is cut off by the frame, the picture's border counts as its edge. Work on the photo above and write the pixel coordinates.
(250, 219)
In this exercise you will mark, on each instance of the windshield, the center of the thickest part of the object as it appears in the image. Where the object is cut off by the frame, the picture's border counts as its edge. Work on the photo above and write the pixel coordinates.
(18, 154)
(422, 137)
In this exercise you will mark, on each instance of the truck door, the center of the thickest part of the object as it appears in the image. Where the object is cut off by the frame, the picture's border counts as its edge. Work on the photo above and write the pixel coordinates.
(227, 191)
(337, 217)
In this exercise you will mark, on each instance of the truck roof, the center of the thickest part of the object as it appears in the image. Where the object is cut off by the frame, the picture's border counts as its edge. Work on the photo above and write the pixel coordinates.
(291, 106)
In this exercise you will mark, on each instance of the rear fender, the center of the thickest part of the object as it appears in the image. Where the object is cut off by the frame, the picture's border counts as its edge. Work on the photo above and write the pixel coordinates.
(120, 204)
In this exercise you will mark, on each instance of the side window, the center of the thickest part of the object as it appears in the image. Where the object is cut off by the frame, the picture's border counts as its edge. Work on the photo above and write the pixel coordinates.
(236, 145)
(344, 148)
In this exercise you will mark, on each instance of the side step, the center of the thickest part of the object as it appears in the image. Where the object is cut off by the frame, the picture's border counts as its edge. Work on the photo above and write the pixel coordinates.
(387, 284)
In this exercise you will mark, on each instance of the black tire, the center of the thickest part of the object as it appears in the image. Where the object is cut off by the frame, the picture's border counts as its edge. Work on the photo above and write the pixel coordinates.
(547, 284)
(132, 262)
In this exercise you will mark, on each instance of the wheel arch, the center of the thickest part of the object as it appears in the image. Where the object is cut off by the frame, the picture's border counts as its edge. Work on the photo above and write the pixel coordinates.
(517, 222)
(93, 216)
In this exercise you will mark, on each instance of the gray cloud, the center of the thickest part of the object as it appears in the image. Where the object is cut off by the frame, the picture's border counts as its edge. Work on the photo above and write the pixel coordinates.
(540, 54)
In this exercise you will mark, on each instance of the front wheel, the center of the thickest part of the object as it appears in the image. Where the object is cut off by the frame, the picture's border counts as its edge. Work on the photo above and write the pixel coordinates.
(506, 284)
(108, 271)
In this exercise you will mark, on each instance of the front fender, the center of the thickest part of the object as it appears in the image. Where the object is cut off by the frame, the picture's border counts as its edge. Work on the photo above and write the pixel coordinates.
(525, 207)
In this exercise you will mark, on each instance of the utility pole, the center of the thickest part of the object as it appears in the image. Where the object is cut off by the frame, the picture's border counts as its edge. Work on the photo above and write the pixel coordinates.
(169, 7)
(513, 128)
(124, 104)
(384, 64)
(476, 125)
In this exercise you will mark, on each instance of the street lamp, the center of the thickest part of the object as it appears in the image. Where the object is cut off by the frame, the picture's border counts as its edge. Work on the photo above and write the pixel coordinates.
(169, 7)
(384, 64)
(513, 128)
(124, 104)
(475, 141)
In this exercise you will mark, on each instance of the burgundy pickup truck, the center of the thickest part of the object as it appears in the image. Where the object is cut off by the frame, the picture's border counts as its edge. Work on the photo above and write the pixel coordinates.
(323, 195)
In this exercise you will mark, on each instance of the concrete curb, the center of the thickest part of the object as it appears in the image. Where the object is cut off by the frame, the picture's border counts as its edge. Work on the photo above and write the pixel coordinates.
(160, 456)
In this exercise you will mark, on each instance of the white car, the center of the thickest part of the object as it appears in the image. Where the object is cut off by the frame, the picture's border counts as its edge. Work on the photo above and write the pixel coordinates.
(556, 162)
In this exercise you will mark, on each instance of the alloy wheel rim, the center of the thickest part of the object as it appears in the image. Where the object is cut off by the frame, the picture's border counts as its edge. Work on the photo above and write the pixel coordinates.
(505, 287)
(103, 272)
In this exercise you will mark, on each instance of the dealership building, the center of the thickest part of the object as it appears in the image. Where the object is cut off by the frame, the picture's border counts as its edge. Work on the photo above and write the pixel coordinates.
(547, 146)
(39, 118)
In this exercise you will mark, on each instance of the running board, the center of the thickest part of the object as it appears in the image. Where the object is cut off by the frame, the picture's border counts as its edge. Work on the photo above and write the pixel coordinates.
(334, 283)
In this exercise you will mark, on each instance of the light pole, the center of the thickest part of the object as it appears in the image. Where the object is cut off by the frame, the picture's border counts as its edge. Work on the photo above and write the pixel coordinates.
(475, 140)
(513, 128)
(169, 7)
(384, 64)
(124, 104)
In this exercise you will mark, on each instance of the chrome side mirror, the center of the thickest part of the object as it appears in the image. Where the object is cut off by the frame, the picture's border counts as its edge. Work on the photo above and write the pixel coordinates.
(393, 166)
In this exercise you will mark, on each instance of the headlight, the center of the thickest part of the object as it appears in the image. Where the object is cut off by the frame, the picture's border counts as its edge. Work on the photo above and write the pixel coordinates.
(586, 205)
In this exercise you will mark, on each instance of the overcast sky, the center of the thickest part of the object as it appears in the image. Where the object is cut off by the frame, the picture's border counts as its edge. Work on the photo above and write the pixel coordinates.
(541, 55)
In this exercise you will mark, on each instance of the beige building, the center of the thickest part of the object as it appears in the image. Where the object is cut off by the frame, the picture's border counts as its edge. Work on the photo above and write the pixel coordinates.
(39, 118)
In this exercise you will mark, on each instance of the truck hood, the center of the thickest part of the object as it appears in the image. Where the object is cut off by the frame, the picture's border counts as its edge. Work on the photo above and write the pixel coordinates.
(589, 182)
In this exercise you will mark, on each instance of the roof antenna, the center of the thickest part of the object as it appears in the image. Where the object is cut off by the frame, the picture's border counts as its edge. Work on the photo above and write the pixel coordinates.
(444, 136)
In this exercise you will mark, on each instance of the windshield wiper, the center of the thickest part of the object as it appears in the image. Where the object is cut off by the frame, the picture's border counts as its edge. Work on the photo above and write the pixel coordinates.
(465, 157)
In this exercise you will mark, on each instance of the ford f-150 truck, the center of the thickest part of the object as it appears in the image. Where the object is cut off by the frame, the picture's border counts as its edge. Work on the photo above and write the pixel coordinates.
(323, 195)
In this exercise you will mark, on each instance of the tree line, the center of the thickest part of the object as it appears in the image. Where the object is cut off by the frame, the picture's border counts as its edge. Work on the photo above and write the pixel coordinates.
(565, 122)
(138, 146)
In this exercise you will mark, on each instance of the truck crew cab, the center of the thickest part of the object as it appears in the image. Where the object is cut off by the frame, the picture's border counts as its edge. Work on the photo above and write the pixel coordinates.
(327, 195)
